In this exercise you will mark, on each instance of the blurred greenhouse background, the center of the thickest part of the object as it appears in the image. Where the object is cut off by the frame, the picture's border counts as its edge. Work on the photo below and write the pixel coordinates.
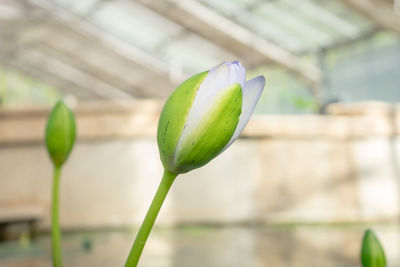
(313, 53)
(318, 163)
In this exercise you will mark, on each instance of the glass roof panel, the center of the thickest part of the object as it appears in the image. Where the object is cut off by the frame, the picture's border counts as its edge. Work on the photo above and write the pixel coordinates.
(146, 31)
(134, 24)
(237, 11)
(319, 16)
(296, 26)
(341, 10)
(81, 7)
(151, 32)
(290, 22)
(247, 3)
(196, 54)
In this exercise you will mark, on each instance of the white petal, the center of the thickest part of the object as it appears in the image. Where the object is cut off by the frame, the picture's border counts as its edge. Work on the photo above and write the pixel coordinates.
(238, 73)
(251, 93)
(234, 70)
(218, 79)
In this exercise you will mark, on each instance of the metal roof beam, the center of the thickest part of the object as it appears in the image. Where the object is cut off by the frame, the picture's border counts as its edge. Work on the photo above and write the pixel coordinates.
(65, 86)
(379, 11)
(231, 36)
(59, 73)
(323, 15)
(127, 55)
(341, 43)
(90, 59)
(104, 38)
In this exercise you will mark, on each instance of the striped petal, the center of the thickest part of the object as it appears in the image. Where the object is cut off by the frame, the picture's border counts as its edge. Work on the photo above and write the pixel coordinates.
(251, 93)
(202, 141)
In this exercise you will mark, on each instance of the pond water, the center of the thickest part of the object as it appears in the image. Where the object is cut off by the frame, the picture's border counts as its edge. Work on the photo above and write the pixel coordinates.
(211, 246)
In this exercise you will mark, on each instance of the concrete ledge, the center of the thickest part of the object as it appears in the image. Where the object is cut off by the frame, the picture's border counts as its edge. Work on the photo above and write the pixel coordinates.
(100, 120)
(20, 213)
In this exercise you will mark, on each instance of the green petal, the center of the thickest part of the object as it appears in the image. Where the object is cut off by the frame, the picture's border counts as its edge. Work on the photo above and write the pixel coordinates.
(60, 133)
(173, 117)
(213, 132)
(372, 253)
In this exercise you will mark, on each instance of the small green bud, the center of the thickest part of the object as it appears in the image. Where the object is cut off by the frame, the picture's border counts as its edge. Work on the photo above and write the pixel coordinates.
(60, 133)
(372, 253)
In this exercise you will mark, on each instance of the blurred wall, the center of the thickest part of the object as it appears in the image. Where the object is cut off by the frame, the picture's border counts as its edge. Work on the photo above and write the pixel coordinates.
(341, 167)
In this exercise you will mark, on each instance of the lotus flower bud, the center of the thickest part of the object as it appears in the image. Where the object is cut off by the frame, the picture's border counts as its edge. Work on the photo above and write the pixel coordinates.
(205, 115)
(60, 133)
(372, 253)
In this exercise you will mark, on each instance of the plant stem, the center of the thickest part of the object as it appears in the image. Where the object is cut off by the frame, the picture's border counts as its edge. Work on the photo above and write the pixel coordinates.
(144, 231)
(55, 223)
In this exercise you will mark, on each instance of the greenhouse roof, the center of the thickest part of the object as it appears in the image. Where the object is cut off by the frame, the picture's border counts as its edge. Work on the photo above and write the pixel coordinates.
(144, 48)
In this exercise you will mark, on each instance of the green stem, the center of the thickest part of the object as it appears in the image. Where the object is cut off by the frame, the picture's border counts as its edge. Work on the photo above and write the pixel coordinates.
(55, 223)
(144, 231)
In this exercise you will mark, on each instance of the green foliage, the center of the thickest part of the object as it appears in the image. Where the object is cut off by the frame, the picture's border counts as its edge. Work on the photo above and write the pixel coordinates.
(60, 133)
(372, 253)
(19, 89)
(286, 93)
(304, 103)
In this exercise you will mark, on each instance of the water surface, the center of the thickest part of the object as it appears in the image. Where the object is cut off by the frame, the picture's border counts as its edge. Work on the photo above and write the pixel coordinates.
(200, 246)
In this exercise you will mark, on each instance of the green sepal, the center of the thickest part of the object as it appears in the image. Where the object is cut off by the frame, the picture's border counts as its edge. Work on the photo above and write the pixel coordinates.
(173, 118)
(372, 253)
(213, 133)
(60, 133)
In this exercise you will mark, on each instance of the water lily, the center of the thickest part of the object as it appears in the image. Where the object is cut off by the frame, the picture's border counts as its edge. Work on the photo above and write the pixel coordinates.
(205, 115)
(201, 118)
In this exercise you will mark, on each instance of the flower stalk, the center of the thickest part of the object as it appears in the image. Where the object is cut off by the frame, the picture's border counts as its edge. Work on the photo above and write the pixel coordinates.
(144, 231)
(55, 222)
